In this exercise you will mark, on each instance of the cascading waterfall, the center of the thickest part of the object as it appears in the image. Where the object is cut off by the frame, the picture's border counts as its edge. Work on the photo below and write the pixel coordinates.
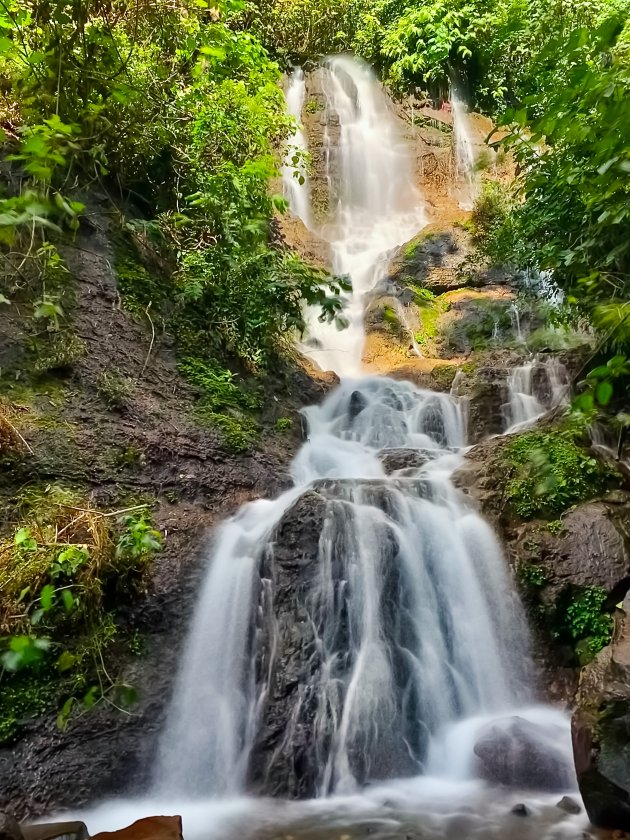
(375, 206)
(533, 388)
(391, 642)
(469, 185)
(415, 622)
(294, 171)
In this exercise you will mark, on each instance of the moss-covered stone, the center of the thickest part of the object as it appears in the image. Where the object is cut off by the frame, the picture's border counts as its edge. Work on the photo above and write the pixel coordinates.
(549, 472)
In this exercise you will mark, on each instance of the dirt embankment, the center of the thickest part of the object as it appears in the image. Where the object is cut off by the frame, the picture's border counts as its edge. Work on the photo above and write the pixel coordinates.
(100, 406)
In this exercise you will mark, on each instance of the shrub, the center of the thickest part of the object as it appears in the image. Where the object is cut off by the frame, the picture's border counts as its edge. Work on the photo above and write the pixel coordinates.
(549, 473)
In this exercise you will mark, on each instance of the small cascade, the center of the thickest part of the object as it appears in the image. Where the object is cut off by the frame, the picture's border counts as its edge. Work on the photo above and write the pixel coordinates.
(294, 171)
(205, 746)
(375, 206)
(467, 177)
(533, 388)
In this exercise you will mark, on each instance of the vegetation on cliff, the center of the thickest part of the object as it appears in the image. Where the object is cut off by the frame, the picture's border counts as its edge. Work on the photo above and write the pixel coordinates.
(137, 140)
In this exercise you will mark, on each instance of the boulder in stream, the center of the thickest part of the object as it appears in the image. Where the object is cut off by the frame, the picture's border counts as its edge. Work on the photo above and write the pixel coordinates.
(519, 753)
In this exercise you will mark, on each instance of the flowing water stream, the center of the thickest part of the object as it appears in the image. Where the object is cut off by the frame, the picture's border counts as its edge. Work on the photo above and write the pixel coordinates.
(374, 205)
(402, 624)
(468, 182)
(295, 176)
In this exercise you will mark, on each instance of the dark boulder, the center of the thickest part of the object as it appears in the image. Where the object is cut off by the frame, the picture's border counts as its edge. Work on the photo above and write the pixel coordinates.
(282, 765)
(403, 459)
(56, 831)
(569, 805)
(518, 753)
(304, 655)
(601, 731)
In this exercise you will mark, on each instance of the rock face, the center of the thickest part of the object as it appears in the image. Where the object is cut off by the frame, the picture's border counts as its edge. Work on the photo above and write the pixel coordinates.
(588, 547)
(592, 549)
(279, 764)
(517, 753)
(601, 731)
(297, 647)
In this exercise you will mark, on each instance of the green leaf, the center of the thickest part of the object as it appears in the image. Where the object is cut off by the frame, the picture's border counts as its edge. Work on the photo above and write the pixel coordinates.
(63, 717)
(66, 661)
(68, 599)
(47, 597)
(24, 540)
(604, 392)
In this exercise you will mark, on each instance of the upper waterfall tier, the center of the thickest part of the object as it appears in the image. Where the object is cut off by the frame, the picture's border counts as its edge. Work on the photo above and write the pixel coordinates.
(375, 206)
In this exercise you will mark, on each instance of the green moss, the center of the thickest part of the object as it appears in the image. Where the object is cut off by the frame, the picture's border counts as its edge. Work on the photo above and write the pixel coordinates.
(392, 322)
(444, 375)
(313, 106)
(410, 250)
(283, 424)
(238, 433)
(429, 314)
(549, 473)
(531, 576)
(555, 527)
(22, 697)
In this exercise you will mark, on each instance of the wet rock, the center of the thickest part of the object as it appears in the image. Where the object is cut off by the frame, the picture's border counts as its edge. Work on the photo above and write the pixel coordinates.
(357, 404)
(150, 828)
(289, 756)
(520, 810)
(601, 731)
(56, 831)
(593, 549)
(402, 459)
(432, 259)
(9, 828)
(486, 394)
(518, 753)
(281, 765)
(569, 805)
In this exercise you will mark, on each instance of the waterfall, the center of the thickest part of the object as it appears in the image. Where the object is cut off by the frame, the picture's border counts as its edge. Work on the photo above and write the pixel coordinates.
(294, 171)
(375, 206)
(533, 388)
(414, 619)
(468, 184)
(362, 626)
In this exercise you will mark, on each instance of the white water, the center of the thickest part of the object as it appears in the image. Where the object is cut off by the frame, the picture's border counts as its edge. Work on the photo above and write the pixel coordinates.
(294, 171)
(529, 400)
(375, 206)
(417, 639)
(468, 183)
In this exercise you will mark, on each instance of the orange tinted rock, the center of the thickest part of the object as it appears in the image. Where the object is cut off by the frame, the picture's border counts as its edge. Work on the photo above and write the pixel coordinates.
(151, 828)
